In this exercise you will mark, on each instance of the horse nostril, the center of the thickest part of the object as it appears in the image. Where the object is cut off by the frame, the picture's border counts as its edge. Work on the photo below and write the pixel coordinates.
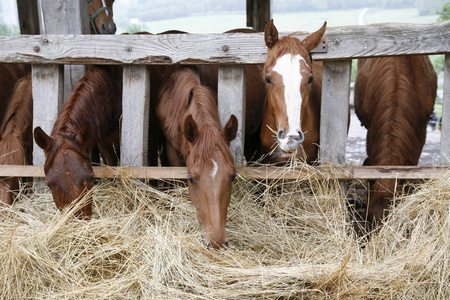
(300, 136)
(280, 134)
(104, 28)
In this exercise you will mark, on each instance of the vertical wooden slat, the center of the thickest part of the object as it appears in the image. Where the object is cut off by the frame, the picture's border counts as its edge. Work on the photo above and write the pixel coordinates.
(47, 99)
(135, 115)
(258, 13)
(28, 16)
(335, 110)
(67, 17)
(231, 98)
(445, 133)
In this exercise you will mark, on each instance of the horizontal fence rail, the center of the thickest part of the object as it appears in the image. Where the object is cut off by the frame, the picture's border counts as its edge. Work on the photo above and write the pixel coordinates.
(346, 42)
(47, 54)
(267, 172)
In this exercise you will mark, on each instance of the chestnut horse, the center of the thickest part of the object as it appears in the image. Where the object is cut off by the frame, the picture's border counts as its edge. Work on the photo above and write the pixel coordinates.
(9, 75)
(394, 98)
(89, 117)
(16, 137)
(101, 17)
(188, 115)
(294, 88)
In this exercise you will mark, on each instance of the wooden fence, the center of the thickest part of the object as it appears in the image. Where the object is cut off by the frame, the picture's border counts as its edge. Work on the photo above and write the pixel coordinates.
(48, 54)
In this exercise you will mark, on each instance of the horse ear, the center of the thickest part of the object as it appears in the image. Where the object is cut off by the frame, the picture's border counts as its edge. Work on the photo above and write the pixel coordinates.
(230, 129)
(84, 134)
(190, 129)
(270, 34)
(27, 137)
(313, 40)
(42, 139)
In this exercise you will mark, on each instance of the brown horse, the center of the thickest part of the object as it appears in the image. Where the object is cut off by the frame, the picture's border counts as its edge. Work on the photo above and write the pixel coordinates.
(188, 115)
(89, 117)
(394, 98)
(294, 88)
(101, 16)
(16, 137)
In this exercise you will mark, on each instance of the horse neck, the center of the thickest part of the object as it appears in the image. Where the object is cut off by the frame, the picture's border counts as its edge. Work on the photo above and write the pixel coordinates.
(95, 99)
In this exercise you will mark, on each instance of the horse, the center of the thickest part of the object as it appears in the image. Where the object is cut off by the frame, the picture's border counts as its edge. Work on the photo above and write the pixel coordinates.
(89, 117)
(101, 17)
(188, 116)
(394, 98)
(16, 140)
(294, 88)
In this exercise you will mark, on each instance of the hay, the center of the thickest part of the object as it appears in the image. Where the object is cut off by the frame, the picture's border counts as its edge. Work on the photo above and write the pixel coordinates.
(287, 240)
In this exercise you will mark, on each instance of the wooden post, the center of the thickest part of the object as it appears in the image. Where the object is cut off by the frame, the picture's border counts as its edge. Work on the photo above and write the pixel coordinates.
(445, 132)
(135, 115)
(258, 13)
(335, 110)
(47, 100)
(67, 17)
(231, 98)
(28, 16)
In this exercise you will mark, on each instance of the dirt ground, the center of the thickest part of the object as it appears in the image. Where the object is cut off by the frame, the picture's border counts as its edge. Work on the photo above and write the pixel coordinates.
(356, 144)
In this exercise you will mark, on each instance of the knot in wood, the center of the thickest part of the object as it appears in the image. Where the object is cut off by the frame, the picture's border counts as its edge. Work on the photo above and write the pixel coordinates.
(225, 48)
(37, 48)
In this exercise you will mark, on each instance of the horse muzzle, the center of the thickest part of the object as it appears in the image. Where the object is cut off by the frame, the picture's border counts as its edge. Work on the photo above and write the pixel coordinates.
(289, 143)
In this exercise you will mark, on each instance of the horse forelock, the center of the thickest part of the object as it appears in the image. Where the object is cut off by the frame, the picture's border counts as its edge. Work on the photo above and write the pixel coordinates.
(286, 45)
(210, 138)
(181, 85)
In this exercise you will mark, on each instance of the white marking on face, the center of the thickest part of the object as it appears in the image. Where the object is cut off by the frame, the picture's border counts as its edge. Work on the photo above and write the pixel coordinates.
(104, 5)
(214, 170)
(288, 66)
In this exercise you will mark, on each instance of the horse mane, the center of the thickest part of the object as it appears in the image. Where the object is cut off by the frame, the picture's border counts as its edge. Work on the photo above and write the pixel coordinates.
(400, 113)
(17, 118)
(188, 96)
(286, 44)
(94, 99)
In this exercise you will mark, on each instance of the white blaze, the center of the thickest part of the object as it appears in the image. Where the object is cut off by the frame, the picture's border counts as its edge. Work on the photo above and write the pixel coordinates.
(288, 66)
(214, 170)
(104, 5)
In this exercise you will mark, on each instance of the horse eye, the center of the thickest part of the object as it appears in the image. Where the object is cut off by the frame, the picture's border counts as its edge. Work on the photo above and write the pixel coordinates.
(268, 79)
(88, 1)
(192, 180)
(233, 177)
(310, 80)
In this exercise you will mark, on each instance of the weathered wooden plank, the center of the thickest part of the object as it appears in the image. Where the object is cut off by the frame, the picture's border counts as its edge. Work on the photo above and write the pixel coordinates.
(233, 48)
(47, 100)
(386, 39)
(67, 17)
(272, 173)
(135, 115)
(445, 133)
(334, 118)
(231, 98)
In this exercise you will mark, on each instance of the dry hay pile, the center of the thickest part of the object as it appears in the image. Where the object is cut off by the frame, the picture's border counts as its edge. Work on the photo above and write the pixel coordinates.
(287, 240)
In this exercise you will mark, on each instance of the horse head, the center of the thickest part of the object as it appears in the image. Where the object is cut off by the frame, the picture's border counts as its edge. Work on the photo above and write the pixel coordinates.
(101, 16)
(210, 175)
(68, 169)
(288, 73)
